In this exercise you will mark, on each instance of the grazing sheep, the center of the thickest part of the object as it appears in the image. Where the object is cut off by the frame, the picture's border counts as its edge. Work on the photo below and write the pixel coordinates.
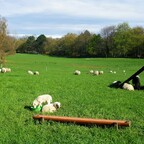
(96, 73)
(3, 70)
(115, 84)
(42, 99)
(101, 72)
(77, 72)
(91, 71)
(51, 107)
(36, 73)
(30, 72)
(127, 86)
(136, 82)
(111, 71)
(8, 69)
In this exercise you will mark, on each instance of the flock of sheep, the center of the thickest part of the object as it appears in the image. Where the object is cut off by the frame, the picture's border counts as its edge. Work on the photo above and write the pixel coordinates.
(96, 72)
(127, 86)
(46, 99)
(48, 107)
(135, 82)
(4, 70)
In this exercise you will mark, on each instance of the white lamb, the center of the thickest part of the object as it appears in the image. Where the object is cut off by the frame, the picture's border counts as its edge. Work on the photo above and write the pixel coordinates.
(3, 70)
(127, 86)
(51, 107)
(96, 72)
(91, 71)
(46, 98)
(77, 72)
(8, 69)
(30, 72)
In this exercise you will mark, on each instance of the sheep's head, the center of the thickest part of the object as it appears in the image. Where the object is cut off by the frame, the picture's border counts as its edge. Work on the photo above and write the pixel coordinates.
(57, 105)
(35, 103)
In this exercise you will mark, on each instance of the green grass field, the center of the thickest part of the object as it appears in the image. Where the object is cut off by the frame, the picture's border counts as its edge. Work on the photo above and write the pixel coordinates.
(85, 96)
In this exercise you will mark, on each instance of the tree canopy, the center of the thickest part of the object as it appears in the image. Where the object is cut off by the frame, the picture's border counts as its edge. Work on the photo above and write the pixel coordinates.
(113, 41)
(6, 42)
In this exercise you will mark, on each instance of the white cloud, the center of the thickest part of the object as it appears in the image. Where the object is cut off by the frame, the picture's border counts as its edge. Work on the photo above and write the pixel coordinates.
(79, 8)
(95, 13)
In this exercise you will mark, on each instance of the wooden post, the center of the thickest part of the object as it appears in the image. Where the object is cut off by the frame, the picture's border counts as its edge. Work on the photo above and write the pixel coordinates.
(83, 120)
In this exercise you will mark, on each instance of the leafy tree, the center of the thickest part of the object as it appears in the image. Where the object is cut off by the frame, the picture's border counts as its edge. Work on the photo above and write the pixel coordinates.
(137, 42)
(122, 40)
(94, 47)
(20, 42)
(6, 42)
(40, 44)
(51, 47)
(67, 44)
(107, 34)
(81, 43)
(28, 46)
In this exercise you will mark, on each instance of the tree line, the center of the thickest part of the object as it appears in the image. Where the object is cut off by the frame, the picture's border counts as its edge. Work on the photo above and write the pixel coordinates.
(113, 41)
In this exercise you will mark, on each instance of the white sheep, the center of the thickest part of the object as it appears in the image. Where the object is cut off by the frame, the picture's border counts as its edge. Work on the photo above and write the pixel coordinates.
(124, 71)
(127, 86)
(3, 70)
(51, 107)
(91, 71)
(8, 69)
(46, 98)
(30, 72)
(77, 72)
(96, 72)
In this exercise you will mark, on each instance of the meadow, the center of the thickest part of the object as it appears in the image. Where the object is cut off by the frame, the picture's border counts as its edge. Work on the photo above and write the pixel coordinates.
(84, 96)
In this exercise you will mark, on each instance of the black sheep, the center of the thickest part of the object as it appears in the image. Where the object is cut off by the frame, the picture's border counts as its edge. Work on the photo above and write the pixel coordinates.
(136, 82)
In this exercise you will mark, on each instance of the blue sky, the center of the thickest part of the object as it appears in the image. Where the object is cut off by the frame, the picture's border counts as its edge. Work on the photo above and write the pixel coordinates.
(56, 18)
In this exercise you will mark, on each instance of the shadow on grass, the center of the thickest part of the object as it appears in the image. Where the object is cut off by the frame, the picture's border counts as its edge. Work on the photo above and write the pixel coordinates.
(28, 108)
(50, 122)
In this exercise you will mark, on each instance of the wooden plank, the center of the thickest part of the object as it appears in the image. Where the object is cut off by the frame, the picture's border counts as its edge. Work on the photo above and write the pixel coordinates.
(83, 120)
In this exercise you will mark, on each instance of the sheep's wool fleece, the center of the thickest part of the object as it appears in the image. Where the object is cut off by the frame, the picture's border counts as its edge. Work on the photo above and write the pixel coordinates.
(48, 108)
(127, 86)
(42, 99)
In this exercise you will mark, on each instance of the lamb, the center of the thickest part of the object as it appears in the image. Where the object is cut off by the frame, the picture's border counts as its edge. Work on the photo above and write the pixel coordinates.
(136, 82)
(3, 70)
(96, 72)
(91, 71)
(46, 98)
(51, 107)
(127, 86)
(77, 72)
(115, 84)
(30, 72)
(8, 69)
